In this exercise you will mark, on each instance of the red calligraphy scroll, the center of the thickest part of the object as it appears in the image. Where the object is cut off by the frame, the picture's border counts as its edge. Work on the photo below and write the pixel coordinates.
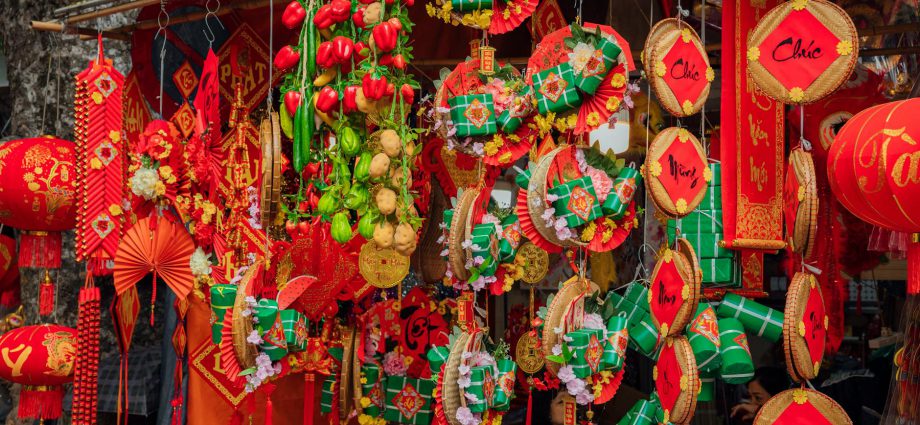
(751, 149)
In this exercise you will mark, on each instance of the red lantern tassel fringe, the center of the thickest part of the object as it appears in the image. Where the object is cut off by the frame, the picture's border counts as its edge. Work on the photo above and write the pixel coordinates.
(308, 398)
(85, 398)
(269, 409)
(46, 296)
(40, 402)
(913, 266)
(40, 250)
(529, 419)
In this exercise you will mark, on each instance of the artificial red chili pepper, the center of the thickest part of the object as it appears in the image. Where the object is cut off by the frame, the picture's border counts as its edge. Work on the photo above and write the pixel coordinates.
(385, 59)
(361, 51)
(385, 36)
(390, 89)
(350, 99)
(409, 2)
(286, 58)
(325, 58)
(293, 15)
(366, 1)
(373, 87)
(396, 23)
(399, 62)
(323, 17)
(292, 100)
(358, 18)
(327, 99)
(340, 10)
(407, 94)
(342, 48)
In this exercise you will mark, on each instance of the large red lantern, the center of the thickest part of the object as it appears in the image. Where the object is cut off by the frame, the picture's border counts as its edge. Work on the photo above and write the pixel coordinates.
(37, 196)
(41, 358)
(874, 170)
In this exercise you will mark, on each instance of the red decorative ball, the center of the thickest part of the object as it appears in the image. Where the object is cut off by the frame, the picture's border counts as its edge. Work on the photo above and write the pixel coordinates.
(39, 355)
(38, 178)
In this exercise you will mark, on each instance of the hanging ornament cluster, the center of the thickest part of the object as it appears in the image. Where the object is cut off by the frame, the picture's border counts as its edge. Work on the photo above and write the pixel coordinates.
(41, 358)
(677, 67)
(494, 16)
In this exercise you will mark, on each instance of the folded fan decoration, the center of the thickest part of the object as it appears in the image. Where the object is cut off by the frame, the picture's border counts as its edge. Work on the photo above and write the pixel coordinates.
(162, 248)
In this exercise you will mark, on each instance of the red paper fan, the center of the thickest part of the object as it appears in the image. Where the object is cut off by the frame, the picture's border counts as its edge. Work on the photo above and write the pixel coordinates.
(551, 51)
(597, 103)
(228, 361)
(624, 227)
(528, 228)
(293, 290)
(162, 248)
(501, 24)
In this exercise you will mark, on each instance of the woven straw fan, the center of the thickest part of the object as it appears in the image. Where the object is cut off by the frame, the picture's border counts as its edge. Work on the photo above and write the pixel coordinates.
(566, 312)
(163, 248)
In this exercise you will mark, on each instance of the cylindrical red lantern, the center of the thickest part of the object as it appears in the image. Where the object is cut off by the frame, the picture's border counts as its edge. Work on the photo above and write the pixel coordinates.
(41, 358)
(874, 170)
(37, 197)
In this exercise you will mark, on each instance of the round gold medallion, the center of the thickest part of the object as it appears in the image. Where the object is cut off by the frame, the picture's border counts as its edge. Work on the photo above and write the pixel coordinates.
(382, 267)
(527, 353)
(536, 265)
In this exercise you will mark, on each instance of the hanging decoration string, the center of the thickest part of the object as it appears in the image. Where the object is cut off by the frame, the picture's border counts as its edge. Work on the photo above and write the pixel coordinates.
(648, 123)
(703, 140)
(271, 49)
(162, 23)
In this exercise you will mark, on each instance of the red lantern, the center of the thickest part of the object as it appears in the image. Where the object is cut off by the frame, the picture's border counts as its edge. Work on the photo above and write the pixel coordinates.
(41, 358)
(874, 170)
(37, 197)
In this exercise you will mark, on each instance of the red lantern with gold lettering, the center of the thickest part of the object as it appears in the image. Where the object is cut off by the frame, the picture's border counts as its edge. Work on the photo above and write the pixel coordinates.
(41, 358)
(37, 197)
(874, 170)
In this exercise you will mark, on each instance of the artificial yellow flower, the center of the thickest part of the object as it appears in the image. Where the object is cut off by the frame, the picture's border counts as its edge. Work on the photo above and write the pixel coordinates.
(97, 98)
(753, 53)
(666, 256)
(160, 188)
(685, 35)
(844, 48)
(618, 80)
(687, 107)
(365, 402)
(710, 74)
(588, 233)
(95, 164)
(593, 119)
(115, 210)
(613, 104)
(505, 157)
(685, 292)
(796, 94)
(660, 69)
(115, 136)
(683, 383)
(801, 329)
(799, 396)
(683, 135)
(707, 174)
(681, 206)
(655, 169)
(799, 4)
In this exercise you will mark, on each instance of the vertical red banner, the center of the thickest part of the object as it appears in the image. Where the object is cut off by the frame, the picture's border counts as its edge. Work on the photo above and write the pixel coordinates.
(751, 149)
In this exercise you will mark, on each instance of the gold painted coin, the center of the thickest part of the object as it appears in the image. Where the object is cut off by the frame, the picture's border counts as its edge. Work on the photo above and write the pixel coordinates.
(528, 355)
(382, 267)
(536, 263)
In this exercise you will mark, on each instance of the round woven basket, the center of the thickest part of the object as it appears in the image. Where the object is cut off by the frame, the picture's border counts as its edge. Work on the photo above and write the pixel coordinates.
(460, 231)
(662, 27)
(796, 333)
(565, 312)
(688, 269)
(666, 37)
(242, 325)
(835, 20)
(804, 400)
(688, 383)
(801, 173)
(536, 200)
(347, 392)
(657, 190)
(453, 396)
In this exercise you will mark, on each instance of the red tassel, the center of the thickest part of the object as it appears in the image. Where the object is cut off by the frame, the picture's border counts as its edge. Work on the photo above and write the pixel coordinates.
(46, 296)
(237, 418)
(913, 266)
(40, 250)
(40, 402)
(529, 420)
(269, 409)
(308, 399)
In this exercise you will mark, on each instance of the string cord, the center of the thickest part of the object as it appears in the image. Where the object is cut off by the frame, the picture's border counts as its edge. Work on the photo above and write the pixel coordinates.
(162, 24)
(648, 123)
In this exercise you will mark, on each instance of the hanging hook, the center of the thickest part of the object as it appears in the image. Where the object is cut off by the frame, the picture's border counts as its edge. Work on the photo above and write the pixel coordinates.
(209, 34)
(162, 24)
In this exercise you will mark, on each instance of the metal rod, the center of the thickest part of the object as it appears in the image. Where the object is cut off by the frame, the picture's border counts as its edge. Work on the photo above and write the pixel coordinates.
(59, 27)
(194, 16)
(79, 7)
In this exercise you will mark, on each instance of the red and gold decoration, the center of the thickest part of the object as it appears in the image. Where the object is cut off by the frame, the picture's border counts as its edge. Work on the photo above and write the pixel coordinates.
(801, 51)
(801, 206)
(676, 380)
(801, 405)
(804, 327)
(677, 66)
(40, 358)
(675, 290)
(676, 172)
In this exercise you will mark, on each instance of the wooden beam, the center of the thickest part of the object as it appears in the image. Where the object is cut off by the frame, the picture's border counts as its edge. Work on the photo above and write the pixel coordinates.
(110, 11)
(59, 27)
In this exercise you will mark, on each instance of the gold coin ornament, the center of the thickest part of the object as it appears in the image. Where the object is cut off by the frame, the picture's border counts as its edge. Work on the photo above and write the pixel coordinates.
(536, 263)
(802, 51)
(382, 267)
(527, 353)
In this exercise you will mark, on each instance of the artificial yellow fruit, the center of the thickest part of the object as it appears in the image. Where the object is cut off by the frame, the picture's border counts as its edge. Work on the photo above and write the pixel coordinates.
(365, 106)
(383, 234)
(398, 178)
(380, 164)
(372, 14)
(390, 143)
(405, 235)
(326, 77)
(386, 201)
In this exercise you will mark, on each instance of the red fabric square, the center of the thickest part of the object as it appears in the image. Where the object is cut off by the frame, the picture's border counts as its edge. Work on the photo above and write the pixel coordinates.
(666, 289)
(802, 414)
(668, 380)
(799, 50)
(815, 331)
(686, 71)
(682, 171)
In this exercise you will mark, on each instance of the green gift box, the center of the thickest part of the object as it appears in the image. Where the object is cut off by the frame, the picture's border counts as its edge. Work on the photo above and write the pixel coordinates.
(706, 245)
(634, 314)
(481, 390)
(222, 298)
(327, 396)
(522, 178)
(703, 334)
(596, 69)
(372, 388)
(637, 294)
(716, 169)
(408, 400)
(448, 217)
(482, 237)
(756, 318)
(655, 401)
(274, 343)
(521, 106)
(624, 189)
(644, 336)
(473, 115)
(555, 89)
(588, 348)
(717, 270)
(295, 330)
(511, 238)
(470, 5)
(576, 201)
(699, 221)
(641, 413)
(504, 384)
(437, 356)
(616, 338)
(737, 365)
(707, 386)
(713, 199)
